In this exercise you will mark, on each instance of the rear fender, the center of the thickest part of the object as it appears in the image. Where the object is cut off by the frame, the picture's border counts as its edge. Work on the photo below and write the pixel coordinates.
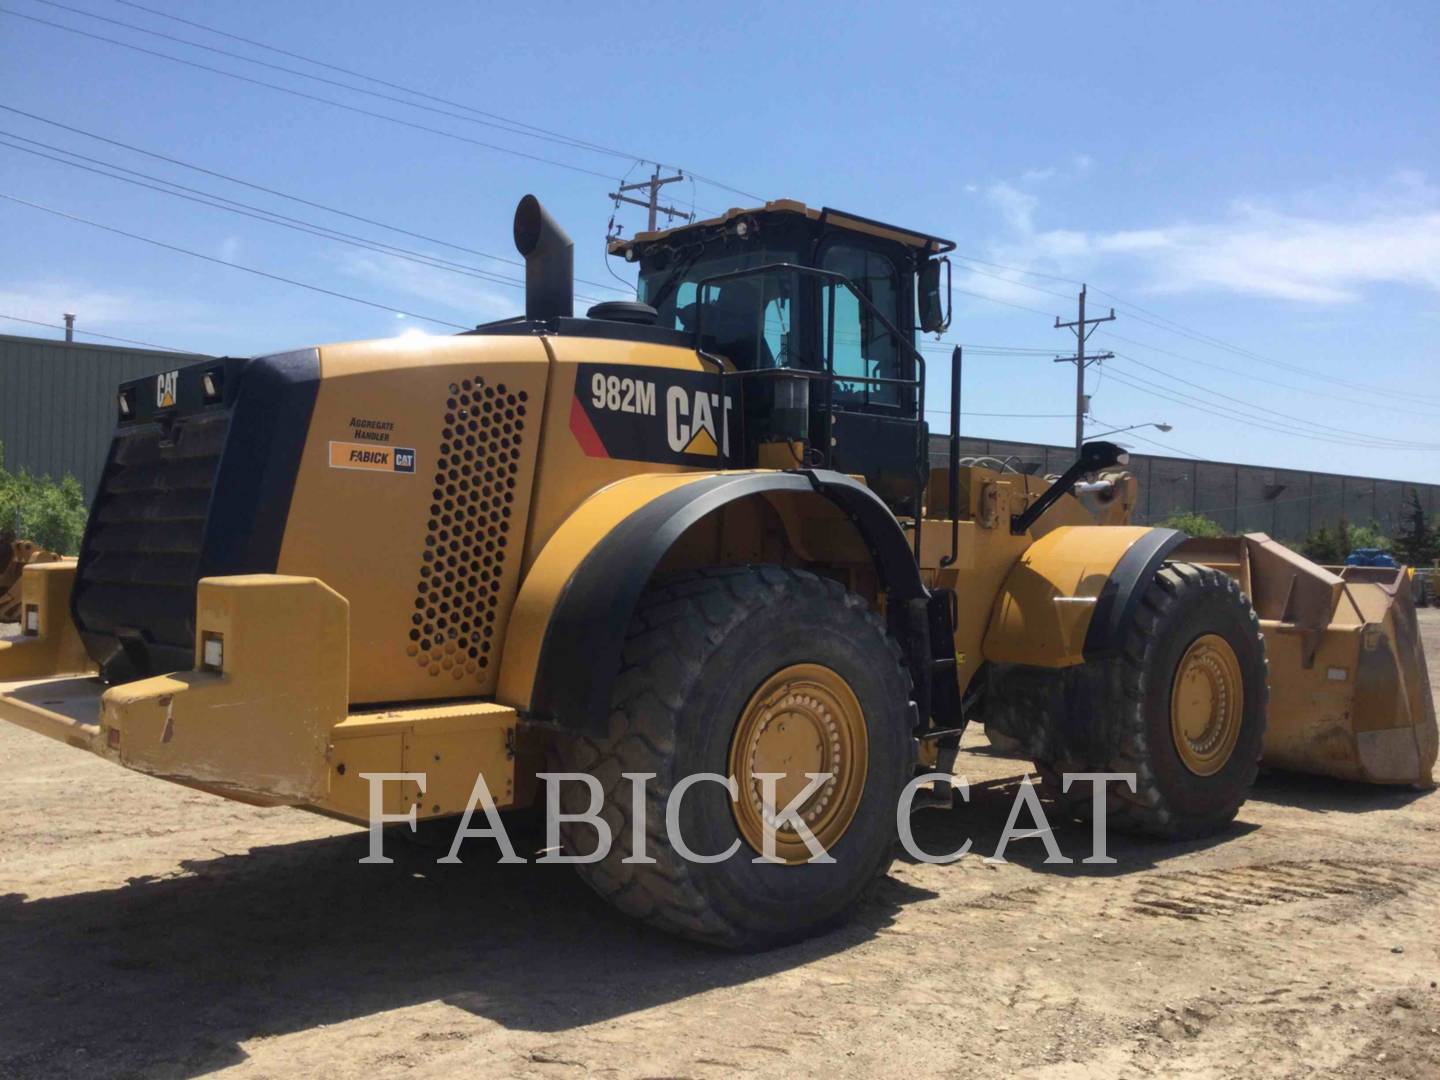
(567, 631)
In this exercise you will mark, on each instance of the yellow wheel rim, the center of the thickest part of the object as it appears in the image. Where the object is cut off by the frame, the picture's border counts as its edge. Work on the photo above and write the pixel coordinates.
(803, 719)
(1206, 705)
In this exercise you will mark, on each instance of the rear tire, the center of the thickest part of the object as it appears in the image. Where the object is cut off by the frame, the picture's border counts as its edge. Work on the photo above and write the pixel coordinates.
(1193, 622)
(700, 649)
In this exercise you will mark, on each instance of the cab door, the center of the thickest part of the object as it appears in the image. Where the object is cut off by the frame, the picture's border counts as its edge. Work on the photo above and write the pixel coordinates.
(870, 418)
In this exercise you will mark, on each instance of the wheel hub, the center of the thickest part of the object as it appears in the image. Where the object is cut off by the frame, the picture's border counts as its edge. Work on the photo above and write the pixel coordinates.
(1206, 705)
(803, 719)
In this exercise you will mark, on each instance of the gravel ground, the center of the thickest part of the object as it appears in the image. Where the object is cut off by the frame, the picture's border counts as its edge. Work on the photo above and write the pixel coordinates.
(150, 930)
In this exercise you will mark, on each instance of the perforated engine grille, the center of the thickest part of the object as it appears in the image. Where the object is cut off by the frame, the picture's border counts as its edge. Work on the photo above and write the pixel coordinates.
(465, 545)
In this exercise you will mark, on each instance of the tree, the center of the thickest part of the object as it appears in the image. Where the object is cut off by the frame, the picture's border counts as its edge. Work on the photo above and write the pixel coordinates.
(1415, 542)
(1330, 547)
(1193, 524)
(1323, 546)
(49, 512)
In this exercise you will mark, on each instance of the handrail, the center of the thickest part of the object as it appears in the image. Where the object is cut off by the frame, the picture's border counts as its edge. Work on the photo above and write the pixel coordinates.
(956, 367)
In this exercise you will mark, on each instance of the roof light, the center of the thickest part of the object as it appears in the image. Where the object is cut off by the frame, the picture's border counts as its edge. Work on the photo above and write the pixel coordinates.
(214, 382)
(127, 404)
(32, 621)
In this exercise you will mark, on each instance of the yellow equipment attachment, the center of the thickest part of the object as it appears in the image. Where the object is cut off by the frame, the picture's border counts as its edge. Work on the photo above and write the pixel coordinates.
(1349, 690)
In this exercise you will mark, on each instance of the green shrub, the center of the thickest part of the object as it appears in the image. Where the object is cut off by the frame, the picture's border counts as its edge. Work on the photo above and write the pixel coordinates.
(1193, 524)
(49, 512)
(1330, 546)
(1416, 543)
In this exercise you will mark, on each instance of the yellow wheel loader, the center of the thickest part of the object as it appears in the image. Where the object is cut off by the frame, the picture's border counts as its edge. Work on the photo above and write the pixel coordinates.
(691, 551)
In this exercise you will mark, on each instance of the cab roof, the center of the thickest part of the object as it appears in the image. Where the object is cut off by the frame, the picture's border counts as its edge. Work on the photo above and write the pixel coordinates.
(923, 242)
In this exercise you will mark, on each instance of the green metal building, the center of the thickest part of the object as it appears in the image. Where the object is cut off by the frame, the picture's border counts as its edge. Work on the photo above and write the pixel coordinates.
(57, 402)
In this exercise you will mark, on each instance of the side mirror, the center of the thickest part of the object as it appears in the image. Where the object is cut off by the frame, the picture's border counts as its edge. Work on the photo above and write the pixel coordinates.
(934, 315)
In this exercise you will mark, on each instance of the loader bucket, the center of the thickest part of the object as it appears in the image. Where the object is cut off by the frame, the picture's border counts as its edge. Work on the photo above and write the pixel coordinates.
(1349, 690)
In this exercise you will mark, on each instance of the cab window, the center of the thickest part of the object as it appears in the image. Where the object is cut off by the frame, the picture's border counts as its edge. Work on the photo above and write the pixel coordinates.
(861, 345)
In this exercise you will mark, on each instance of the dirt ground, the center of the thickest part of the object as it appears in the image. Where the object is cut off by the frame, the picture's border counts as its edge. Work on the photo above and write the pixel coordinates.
(147, 930)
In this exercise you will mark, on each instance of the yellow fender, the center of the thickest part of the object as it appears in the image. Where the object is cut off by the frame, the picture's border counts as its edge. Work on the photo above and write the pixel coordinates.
(1073, 592)
(567, 629)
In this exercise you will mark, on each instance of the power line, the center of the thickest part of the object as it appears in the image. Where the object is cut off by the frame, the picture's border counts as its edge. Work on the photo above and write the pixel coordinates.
(1006, 415)
(268, 216)
(1251, 376)
(1022, 284)
(107, 337)
(371, 78)
(1179, 397)
(1174, 327)
(1190, 401)
(945, 345)
(999, 266)
(258, 213)
(520, 128)
(1152, 442)
(310, 97)
(232, 265)
(1247, 354)
(432, 97)
(1006, 303)
(1400, 444)
(271, 191)
(498, 122)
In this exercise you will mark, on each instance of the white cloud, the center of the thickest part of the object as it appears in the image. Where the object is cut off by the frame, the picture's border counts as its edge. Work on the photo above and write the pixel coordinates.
(102, 308)
(458, 297)
(1036, 176)
(1320, 248)
(1017, 207)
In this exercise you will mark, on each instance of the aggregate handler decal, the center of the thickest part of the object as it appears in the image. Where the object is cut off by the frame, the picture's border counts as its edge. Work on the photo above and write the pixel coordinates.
(393, 459)
(651, 414)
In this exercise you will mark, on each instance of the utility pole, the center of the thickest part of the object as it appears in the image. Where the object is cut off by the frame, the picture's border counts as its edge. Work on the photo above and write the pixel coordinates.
(1083, 328)
(652, 200)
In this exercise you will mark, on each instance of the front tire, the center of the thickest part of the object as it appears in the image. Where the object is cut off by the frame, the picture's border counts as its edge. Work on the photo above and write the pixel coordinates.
(732, 670)
(1182, 707)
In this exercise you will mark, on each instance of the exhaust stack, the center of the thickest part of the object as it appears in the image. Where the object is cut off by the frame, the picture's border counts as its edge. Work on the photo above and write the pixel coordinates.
(549, 262)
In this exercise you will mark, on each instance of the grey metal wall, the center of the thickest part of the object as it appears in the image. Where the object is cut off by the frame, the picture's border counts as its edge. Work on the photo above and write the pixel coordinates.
(1289, 504)
(57, 402)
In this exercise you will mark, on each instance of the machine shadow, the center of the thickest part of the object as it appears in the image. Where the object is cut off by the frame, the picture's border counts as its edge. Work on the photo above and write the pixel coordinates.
(1328, 795)
(982, 820)
(173, 974)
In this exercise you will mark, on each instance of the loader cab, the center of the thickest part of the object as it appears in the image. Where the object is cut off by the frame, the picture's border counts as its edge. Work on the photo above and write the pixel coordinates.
(814, 314)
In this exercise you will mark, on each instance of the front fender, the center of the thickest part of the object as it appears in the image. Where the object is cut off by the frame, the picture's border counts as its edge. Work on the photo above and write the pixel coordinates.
(567, 630)
(1073, 593)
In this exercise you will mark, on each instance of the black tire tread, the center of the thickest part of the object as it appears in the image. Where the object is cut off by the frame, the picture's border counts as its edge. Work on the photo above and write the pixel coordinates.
(677, 625)
(1146, 810)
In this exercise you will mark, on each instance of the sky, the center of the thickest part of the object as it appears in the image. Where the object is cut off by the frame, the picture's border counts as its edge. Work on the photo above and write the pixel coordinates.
(1254, 187)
